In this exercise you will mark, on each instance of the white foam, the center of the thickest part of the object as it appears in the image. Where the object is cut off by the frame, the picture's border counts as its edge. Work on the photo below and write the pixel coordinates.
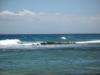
(16, 43)
(9, 42)
(88, 42)
(36, 43)
(63, 38)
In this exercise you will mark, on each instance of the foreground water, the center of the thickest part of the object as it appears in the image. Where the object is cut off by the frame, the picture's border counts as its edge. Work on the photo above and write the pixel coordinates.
(63, 60)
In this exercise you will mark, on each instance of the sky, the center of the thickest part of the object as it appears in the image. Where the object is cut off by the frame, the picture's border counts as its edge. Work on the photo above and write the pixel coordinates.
(49, 16)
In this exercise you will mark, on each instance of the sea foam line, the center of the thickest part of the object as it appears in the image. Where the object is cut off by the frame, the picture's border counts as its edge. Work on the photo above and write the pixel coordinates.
(12, 43)
(88, 42)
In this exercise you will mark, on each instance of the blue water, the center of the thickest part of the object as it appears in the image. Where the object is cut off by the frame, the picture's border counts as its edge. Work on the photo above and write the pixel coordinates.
(77, 60)
(40, 37)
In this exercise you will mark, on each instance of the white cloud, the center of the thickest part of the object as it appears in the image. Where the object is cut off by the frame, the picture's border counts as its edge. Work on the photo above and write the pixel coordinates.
(6, 12)
(55, 17)
(48, 17)
(19, 13)
(34, 21)
(25, 12)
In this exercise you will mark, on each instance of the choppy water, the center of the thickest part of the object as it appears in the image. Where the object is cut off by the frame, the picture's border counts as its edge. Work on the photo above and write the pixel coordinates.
(80, 59)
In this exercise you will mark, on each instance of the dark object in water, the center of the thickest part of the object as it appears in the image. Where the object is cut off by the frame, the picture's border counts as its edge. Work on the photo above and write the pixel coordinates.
(56, 43)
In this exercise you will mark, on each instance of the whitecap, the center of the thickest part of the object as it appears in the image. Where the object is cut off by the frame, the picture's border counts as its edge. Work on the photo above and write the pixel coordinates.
(88, 42)
(10, 42)
(63, 38)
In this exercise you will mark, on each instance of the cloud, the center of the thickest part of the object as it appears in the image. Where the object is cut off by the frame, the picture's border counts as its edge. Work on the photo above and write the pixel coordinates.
(24, 12)
(47, 17)
(6, 12)
(19, 13)
(61, 22)
(50, 16)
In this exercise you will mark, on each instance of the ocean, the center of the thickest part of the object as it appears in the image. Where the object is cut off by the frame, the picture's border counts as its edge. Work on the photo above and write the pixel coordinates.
(50, 54)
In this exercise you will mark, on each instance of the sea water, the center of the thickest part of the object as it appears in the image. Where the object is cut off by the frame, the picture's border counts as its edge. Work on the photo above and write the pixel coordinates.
(20, 54)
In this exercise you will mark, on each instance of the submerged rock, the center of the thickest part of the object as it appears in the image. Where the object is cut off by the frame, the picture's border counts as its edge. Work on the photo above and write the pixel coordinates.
(56, 42)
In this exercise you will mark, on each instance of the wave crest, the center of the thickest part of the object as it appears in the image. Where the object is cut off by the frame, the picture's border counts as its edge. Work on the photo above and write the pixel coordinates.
(88, 42)
(9, 42)
(16, 43)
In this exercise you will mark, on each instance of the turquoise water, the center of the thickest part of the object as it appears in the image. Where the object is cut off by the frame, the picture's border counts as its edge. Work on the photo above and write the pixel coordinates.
(60, 61)
(51, 61)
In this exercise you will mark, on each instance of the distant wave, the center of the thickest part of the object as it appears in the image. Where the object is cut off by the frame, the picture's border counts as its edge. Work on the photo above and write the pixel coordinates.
(16, 43)
(89, 42)
(63, 38)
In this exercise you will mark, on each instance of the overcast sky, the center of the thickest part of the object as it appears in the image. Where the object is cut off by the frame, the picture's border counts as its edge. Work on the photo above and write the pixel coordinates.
(49, 16)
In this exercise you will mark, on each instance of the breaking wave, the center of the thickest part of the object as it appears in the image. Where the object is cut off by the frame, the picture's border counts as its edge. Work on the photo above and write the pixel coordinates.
(16, 43)
(88, 42)
(10, 42)
(63, 38)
